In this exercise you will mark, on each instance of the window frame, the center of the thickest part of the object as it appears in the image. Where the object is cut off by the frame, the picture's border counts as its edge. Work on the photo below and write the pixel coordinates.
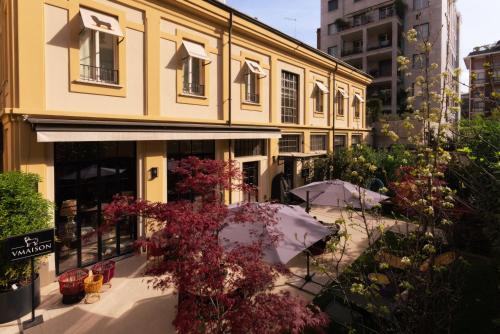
(422, 4)
(356, 135)
(332, 5)
(189, 74)
(333, 47)
(344, 136)
(313, 142)
(290, 91)
(357, 108)
(332, 29)
(76, 85)
(289, 149)
(339, 102)
(419, 31)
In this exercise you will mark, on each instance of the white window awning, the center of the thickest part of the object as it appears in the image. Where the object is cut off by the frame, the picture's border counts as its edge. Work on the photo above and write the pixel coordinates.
(322, 87)
(195, 50)
(359, 97)
(342, 92)
(255, 67)
(63, 130)
(100, 22)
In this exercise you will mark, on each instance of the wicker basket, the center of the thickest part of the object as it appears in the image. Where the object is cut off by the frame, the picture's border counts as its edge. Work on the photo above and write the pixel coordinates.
(106, 269)
(93, 284)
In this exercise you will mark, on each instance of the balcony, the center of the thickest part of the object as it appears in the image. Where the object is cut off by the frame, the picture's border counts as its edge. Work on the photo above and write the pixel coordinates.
(380, 45)
(192, 88)
(368, 17)
(98, 74)
(352, 51)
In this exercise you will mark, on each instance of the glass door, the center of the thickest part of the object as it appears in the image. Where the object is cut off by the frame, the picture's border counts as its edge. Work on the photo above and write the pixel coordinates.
(251, 173)
(87, 177)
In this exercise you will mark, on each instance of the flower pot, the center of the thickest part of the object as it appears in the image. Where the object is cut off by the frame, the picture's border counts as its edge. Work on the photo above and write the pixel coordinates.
(16, 303)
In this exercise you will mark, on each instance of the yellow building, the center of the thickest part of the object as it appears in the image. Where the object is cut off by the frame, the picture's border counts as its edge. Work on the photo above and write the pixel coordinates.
(102, 97)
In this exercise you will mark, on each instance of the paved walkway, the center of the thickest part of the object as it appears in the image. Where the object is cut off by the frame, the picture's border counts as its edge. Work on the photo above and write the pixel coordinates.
(127, 307)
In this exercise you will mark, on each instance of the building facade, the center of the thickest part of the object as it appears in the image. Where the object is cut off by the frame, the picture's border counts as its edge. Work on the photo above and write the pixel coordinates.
(483, 64)
(368, 34)
(104, 97)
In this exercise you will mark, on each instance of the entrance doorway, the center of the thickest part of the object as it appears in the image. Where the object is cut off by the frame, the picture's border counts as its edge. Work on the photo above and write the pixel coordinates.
(251, 172)
(87, 176)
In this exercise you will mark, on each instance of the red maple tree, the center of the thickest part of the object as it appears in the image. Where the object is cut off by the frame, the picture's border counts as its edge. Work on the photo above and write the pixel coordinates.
(220, 290)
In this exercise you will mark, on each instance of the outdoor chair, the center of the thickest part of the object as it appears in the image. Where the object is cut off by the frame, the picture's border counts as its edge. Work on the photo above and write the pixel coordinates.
(106, 269)
(92, 286)
(71, 285)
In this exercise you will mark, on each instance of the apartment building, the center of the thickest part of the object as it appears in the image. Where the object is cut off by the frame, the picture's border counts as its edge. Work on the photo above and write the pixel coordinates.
(483, 64)
(102, 97)
(368, 34)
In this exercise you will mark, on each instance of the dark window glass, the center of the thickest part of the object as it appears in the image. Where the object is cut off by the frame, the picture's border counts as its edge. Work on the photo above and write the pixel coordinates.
(333, 5)
(318, 142)
(356, 140)
(340, 141)
(249, 147)
(289, 143)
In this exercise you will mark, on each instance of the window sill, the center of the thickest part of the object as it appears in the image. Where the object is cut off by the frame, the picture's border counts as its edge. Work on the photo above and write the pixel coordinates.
(193, 96)
(340, 117)
(319, 114)
(95, 83)
(250, 103)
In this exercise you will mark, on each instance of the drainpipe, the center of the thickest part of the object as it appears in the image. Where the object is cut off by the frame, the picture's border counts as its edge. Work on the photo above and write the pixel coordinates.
(332, 74)
(230, 93)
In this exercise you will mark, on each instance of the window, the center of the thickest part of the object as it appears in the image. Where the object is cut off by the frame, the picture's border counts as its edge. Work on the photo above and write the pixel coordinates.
(419, 61)
(249, 147)
(320, 90)
(98, 47)
(385, 12)
(340, 101)
(192, 68)
(192, 76)
(98, 57)
(318, 142)
(384, 39)
(251, 90)
(333, 50)
(357, 105)
(356, 139)
(339, 141)
(422, 31)
(289, 143)
(420, 4)
(252, 75)
(289, 97)
(251, 177)
(333, 5)
(332, 28)
(357, 46)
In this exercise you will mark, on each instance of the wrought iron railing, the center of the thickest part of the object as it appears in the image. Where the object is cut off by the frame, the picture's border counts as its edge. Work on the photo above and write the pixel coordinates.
(192, 88)
(252, 97)
(98, 74)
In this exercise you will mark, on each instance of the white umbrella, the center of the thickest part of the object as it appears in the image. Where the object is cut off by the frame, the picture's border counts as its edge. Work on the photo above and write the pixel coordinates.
(299, 231)
(338, 193)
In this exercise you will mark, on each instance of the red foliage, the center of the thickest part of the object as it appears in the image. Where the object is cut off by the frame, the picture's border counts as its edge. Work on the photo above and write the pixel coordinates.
(220, 291)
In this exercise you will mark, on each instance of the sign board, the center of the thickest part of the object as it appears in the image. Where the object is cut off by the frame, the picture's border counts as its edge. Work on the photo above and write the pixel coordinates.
(30, 245)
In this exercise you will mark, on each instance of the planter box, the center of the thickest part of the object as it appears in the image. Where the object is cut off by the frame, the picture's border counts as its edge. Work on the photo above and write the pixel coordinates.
(16, 303)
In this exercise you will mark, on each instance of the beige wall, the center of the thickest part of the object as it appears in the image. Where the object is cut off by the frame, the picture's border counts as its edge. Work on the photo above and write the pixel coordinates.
(58, 95)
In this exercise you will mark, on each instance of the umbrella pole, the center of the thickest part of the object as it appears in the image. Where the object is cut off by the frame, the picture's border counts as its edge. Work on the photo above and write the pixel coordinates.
(308, 207)
(308, 277)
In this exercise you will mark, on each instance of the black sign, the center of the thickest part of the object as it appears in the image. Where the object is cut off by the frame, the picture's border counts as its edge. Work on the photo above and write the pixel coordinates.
(30, 245)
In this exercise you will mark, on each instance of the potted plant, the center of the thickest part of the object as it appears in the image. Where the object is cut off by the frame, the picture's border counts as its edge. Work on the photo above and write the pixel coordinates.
(22, 210)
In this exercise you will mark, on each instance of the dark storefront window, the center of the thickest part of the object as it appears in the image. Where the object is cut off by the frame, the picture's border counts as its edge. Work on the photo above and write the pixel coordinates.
(87, 176)
(318, 143)
(249, 147)
(251, 173)
(180, 149)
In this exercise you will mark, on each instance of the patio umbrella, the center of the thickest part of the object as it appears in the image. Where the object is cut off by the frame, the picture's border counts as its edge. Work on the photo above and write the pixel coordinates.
(338, 193)
(299, 231)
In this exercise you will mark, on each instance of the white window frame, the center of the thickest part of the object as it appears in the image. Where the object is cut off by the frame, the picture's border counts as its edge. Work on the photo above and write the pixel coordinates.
(94, 64)
(189, 77)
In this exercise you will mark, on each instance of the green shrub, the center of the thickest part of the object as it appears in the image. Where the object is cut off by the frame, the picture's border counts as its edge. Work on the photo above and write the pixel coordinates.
(22, 210)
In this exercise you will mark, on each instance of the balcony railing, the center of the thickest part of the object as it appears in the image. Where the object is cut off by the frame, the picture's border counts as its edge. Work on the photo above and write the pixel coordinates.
(367, 17)
(380, 45)
(386, 12)
(98, 74)
(192, 88)
(252, 98)
(352, 51)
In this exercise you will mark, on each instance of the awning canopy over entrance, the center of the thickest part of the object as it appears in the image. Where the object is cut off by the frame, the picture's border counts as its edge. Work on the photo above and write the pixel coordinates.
(301, 156)
(64, 130)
